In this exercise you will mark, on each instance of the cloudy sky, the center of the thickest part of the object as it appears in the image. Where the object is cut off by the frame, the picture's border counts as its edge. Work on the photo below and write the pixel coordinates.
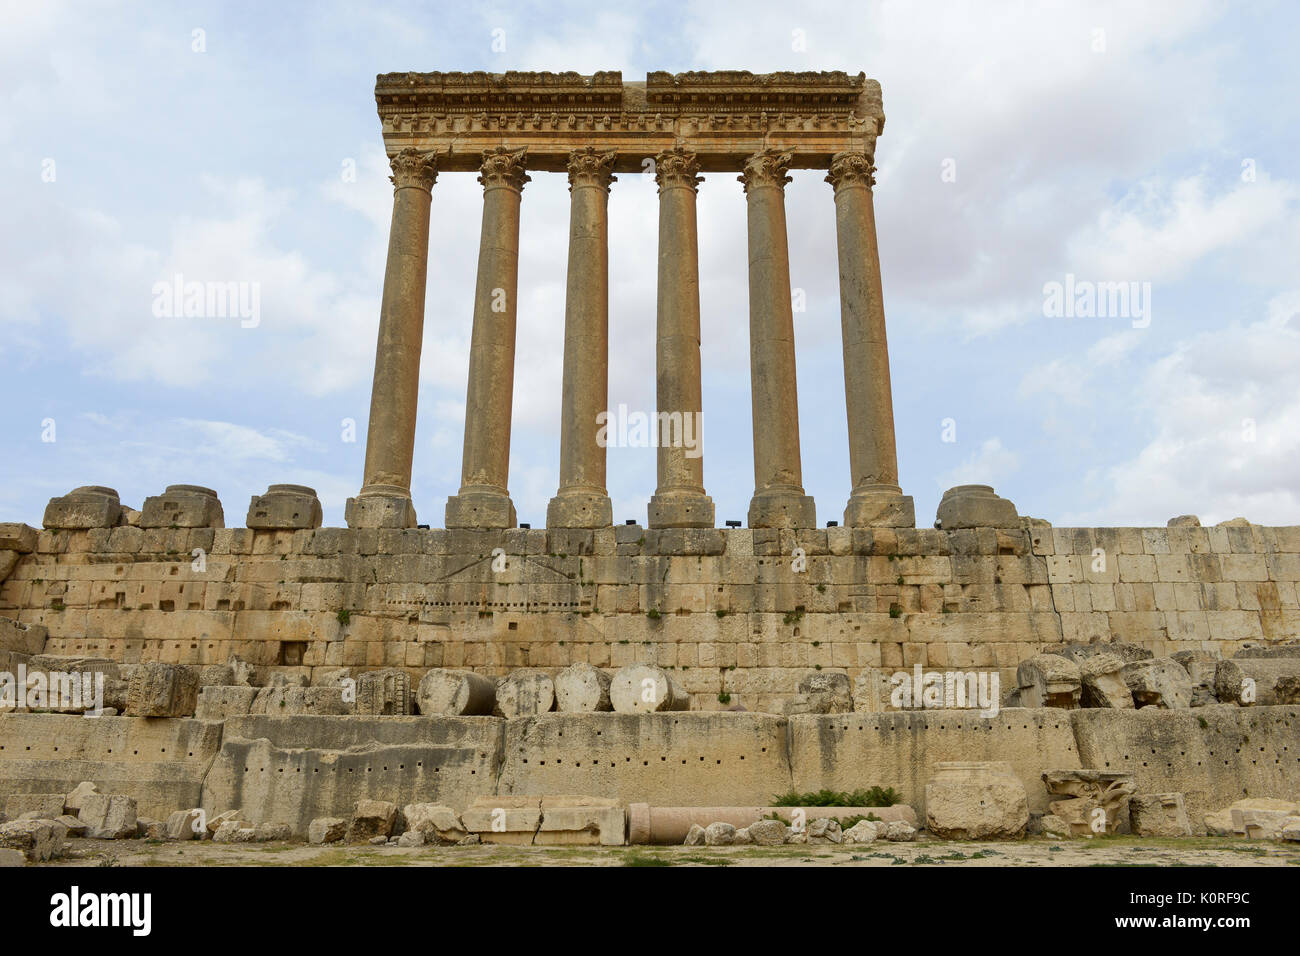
(1148, 143)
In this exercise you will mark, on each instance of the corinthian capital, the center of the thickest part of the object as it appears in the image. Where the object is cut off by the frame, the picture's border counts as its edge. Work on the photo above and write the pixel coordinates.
(767, 167)
(851, 169)
(677, 167)
(504, 167)
(413, 168)
(591, 167)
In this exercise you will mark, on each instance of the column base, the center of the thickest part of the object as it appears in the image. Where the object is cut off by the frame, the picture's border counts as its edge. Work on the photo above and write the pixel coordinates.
(880, 509)
(680, 511)
(481, 509)
(580, 510)
(782, 509)
(380, 511)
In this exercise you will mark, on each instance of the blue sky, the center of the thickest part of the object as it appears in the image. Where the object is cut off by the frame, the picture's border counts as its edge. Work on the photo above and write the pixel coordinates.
(1136, 142)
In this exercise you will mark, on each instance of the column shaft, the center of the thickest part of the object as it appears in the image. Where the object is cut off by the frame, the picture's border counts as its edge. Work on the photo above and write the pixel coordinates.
(582, 500)
(385, 496)
(779, 500)
(876, 499)
(679, 500)
(484, 497)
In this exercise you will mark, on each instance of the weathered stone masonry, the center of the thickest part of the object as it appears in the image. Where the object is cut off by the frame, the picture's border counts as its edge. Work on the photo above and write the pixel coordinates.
(723, 608)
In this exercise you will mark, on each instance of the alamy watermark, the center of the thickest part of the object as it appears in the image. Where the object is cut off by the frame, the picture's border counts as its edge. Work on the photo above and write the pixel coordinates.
(624, 428)
(1084, 299)
(52, 690)
(177, 299)
(952, 690)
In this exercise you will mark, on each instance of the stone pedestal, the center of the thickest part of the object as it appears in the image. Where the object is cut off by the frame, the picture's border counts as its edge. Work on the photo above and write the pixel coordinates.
(779, 500)
(876, 500)
(582, 500)
(385, 496)
(679, 501)
(183, 506)
(975, 506)
(484, 499)
(91, 506)
(284, 508)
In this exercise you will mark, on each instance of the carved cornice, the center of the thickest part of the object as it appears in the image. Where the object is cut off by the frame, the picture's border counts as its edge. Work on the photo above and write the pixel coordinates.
(504, 167)
(677, 167)
(508, 92)
(591, 167)
(851, 169)
(766, 168)
(411, 167)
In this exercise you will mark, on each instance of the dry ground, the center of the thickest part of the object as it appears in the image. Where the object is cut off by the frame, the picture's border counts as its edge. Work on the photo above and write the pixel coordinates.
(1104, 851)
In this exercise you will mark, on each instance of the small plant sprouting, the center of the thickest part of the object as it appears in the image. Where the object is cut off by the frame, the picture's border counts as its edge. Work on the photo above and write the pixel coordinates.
(895, 610)
(344, 617)
(724, 698)
(653, 614)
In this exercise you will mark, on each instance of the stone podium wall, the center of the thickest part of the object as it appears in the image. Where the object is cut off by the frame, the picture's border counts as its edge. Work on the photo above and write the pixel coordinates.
(723, 608)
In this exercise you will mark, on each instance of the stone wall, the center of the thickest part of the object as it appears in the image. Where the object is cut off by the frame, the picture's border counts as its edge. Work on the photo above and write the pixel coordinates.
(287, 770)
(726, 610)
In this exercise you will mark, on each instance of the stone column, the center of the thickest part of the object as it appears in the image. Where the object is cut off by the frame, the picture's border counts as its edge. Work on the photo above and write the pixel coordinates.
(779, 500)
(679, 501)
(582, 500)
(484, 498)
(385, 497)
(876, 499)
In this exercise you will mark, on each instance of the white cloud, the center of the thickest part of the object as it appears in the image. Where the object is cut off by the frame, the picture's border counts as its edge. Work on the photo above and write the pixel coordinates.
(990, 464)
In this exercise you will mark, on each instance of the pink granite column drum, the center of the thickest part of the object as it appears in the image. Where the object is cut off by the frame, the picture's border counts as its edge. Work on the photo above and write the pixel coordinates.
(385, 497)
(582, 500)
(679, 501)
(779, 500)
(484, 499)
(876, 499)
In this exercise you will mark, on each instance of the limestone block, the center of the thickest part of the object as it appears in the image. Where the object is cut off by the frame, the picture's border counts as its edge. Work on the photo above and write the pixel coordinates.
(285, 507)
(1076, 795)
(1127, 653)
(384, 693)
(1160, 682)
(1049, 680)
(836, 686)
(975, 506)
(1236, 680)
(91, 506)
(184, 825)
(183, 506)
(896, 831)
(455, 693)
(976, 801)
(524, 693)
(743, 838)
(108, 816)
(16, 536)
(581, 688)
(371, 818)
(825, 830)
(219, 703)
(581, 820)
(818, 703)
(862, 832)
(694, 836)
(643, 688)
(1231, 820)
(719, 834)
(73, 801)
(434, 822)
(285, 701)
(217, 675)
(504, 819)
(1159, 815)
(1201, 667)
(73, 825)
(1102, 680)
(770, 832)
(22, 638)
(162, 690)
(1287, 690)
(45, 806)
(411, 838)
(37, 840)
(1185, 521)
(326, 830)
